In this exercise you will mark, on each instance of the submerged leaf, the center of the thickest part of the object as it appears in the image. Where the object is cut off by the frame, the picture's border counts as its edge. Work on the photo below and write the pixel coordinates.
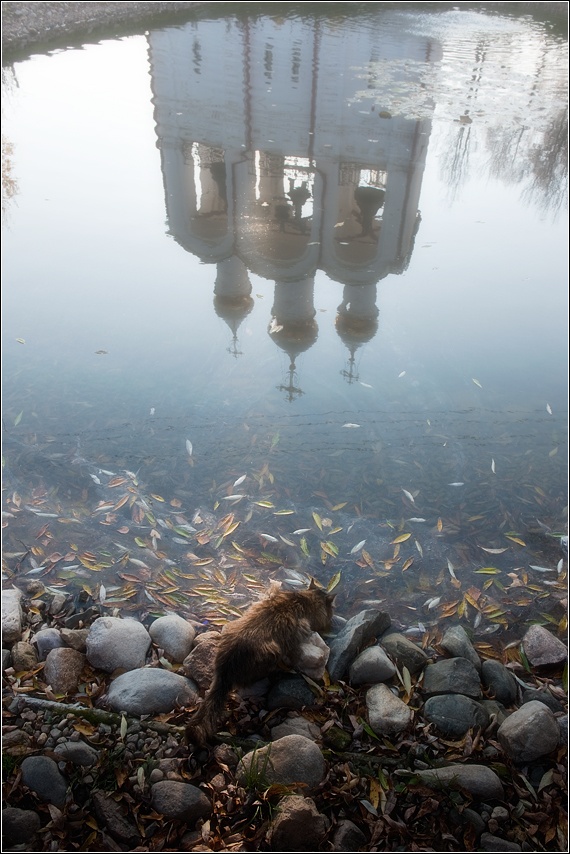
(401, 539)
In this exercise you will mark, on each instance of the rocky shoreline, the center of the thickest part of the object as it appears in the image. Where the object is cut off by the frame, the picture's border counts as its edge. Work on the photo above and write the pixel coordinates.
(344, 757)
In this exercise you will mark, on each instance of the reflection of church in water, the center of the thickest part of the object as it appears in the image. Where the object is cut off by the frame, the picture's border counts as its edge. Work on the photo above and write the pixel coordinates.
(272, 164)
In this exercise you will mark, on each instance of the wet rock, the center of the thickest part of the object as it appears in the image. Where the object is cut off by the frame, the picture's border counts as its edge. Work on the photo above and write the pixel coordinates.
(199, 665)
(63, 669)
(77, 752)
(289, 760)
(149, 690)
(530, 732)
(543, 649)
(57, 603)
(386, 713)
(75, 638)
(499, 682)
(456, 642)
(174, 635)
(290, 692)
(16, 742)
(46, 640)
(19, 826)
(42, 776)
(455, 714)
(543, 697)
(296, 726)
(371, 666)
(404, 652)
(117, 644)
(452, 676)
(488, 842)
(562, 722)
(313, 657)
(356, 633)
(24, 656)
(298, 826)
(337, 739)
(109, 815)
(11, 615)
(180, 800)
(478, 780)
(348, 837)
(468, 816)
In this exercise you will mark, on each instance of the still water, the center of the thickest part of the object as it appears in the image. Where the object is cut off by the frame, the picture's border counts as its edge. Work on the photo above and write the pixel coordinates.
(285, 296)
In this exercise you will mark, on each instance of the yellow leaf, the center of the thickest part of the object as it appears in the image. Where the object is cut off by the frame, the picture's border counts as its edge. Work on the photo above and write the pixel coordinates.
(439, 525)
(333, 582)
(407, 564)
(318, 521)
(401, 539)
(515, 540)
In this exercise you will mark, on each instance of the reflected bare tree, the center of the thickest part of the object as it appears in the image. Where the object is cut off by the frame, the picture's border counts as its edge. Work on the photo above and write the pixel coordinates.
(549, 167)
(454, 163)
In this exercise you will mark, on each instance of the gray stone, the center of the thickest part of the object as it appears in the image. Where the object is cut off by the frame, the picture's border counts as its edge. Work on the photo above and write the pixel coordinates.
(348, 837)
(455, 714)
(296, 726)
(290, 692)
(24, 656)
(452, 676)
(6, 659)
(42, 776)
(496, 710)
(174, 635)
(500, 682)
(46, 640)
(180, 800)
(291, 760)
(199, 665)
(530, 732)
(149, 690)
(371, 666)
(19, 826)
(488, 842)
(313, 657)
(543, 697)
(77, 752)
(404, 652)
(386, 713)
(479, 780)
(11, 615)
(543, 649)
(75, 638)
(110, 816)
(357, 632)
(298, 826)
(117, 644)
(63, 669)
(562, 722)
(456, 642)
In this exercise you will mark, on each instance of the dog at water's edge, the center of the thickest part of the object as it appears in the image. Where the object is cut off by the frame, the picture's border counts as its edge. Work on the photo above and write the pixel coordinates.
(268, 638)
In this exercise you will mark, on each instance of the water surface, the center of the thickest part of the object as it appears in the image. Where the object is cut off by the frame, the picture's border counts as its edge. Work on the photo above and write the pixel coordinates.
(324, 253)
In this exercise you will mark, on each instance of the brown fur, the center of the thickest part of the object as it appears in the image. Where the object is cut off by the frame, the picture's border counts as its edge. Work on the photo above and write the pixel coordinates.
(266, 639)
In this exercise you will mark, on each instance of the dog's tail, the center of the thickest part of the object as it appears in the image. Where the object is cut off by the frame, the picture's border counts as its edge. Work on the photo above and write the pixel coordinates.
(202, 724)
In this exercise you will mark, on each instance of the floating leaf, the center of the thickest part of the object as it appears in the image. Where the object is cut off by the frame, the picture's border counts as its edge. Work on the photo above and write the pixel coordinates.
(18, 418)
(189, 447)
(488, 570)
(333, 582)
(349, 424)
(407, 564)
(318, 521)
(357, 547)
(409, 496)
(494, 551)
(401, 539)
(493, 466)
(548, 409)
(440, 525)
(515, 540)
(477, 383)
(264, 504)
(304, 546)
(21, 340)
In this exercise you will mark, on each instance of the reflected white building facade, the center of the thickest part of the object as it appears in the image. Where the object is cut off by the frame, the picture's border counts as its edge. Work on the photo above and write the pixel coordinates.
(272, 159)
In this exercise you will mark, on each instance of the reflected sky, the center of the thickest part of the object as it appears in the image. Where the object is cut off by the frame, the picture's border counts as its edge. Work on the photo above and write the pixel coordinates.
(251, 233)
